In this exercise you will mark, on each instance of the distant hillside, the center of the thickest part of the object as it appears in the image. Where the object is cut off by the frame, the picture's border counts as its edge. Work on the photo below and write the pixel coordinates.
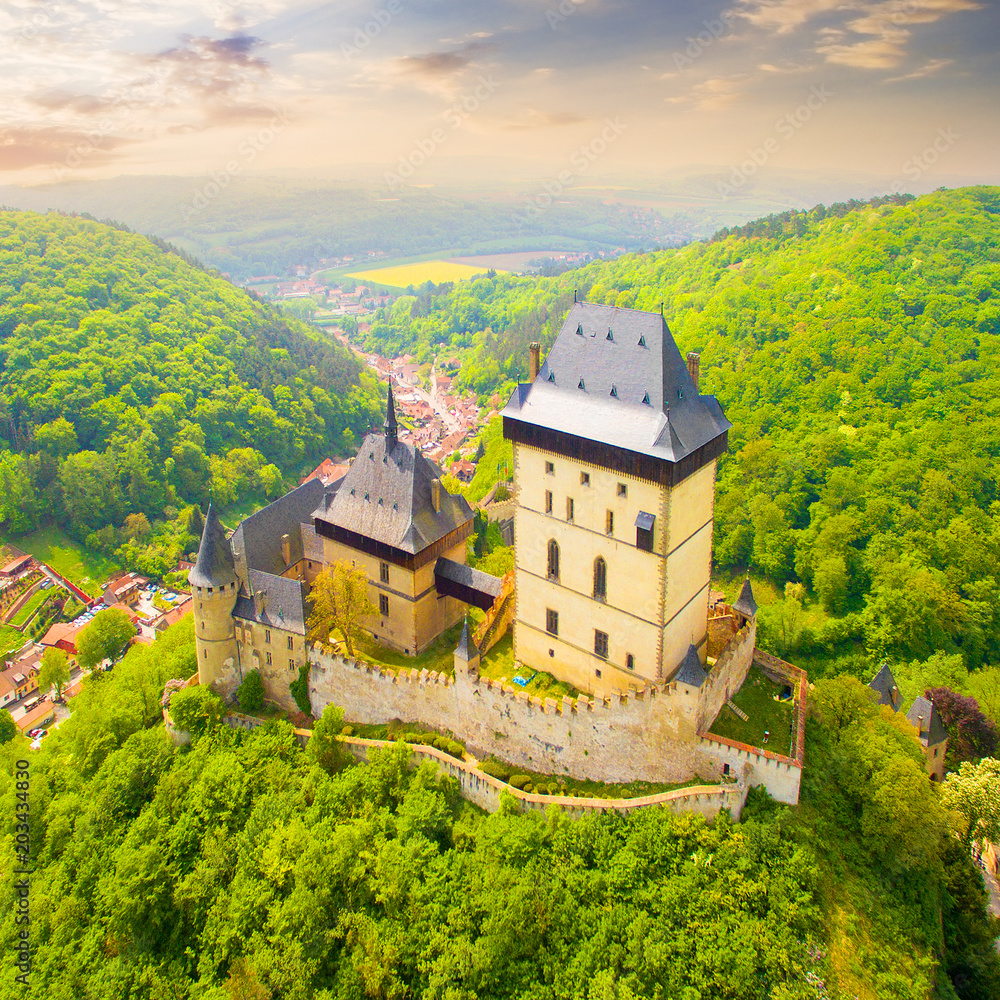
(855, 349)
(128, 376)
(266, 225)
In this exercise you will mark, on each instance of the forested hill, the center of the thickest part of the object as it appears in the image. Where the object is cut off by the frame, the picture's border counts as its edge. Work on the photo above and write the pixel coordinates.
(127, 375)
(856, 353)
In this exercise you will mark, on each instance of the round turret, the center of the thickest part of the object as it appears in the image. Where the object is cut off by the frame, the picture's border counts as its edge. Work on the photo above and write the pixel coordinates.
(214, 586)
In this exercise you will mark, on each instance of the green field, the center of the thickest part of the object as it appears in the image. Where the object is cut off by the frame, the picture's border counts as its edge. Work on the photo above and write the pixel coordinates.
(30, 607)
(404, 275)
(10, 639)
(87, 570)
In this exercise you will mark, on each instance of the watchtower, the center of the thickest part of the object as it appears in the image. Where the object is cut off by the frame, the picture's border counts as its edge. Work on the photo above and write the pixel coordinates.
(214, 588)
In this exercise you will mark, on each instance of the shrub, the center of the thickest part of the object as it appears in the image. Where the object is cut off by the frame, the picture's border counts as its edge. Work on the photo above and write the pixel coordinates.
(455, 749)
(250, 694)
(494, 770)
(300, 689)
(347, 731)
(195, 709)
(519, 780)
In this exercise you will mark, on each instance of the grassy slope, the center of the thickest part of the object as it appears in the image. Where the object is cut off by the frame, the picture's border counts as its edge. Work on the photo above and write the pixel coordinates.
(88, 570)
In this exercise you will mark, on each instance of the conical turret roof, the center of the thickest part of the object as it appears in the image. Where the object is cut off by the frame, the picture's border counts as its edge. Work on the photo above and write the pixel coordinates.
(215, 566)
(466, 648)
(691, 671)
(745, 604)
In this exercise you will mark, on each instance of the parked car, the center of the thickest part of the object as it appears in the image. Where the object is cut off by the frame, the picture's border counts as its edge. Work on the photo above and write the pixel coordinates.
(32, 733)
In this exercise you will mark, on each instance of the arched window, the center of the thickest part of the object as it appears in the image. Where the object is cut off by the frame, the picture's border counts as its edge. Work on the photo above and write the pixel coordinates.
(553, 559)
(600, 579)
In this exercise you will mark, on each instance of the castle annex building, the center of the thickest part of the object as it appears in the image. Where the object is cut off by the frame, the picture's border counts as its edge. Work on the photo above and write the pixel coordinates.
(388, 516)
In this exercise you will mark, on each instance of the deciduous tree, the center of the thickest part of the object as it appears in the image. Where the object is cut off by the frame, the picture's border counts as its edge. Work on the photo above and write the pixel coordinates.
(54, 672)
(105, 638)
(340, 601)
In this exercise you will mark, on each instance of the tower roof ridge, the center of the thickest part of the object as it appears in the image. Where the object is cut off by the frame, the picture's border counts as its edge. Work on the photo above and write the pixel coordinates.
(215, 566)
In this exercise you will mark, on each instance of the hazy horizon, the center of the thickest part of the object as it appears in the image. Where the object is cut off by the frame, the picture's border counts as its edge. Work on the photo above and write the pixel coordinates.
(413, 91)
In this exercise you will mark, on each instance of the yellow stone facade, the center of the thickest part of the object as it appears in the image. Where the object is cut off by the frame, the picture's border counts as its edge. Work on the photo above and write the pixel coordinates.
(417, 614)
(655, 603)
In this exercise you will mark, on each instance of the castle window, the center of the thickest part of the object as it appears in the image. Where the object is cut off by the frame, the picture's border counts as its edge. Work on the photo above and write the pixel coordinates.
(549, 468)
(622, 490)
(569, 508)
(383, 605)
(553, 569)
(600, 579)
(204, 652)
(584, 478)
(548, 501)
(291, 666)
(210, 590)
(609, 523)
(383, 572)
(630, 661)
(597, 672)
(601, 643)
(291, 643)
(269, 659)
(267, 635)
(551, 621)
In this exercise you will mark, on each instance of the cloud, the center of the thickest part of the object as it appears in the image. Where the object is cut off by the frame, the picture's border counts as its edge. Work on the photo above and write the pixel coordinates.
(714, 94)
(23, 146)
(871, 34)
(927, 69)
(438, 64)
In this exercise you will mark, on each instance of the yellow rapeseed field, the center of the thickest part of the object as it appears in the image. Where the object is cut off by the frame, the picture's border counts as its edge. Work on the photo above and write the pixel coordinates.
(416, 274)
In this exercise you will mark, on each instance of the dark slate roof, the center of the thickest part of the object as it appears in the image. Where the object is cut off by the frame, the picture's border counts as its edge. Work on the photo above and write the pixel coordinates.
(883, 684)
(214, 566)
(257, 541)
(691, 671)
(284, 606)
(616, 376)
(388, 498)
(933, 731)
(745, 604)
(475, 579)
(312, 544)
(466, 647)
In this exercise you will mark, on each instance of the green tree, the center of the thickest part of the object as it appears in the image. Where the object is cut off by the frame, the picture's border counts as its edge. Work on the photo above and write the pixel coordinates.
(973, 791)
(58, 438)
(54, 672)
(324, 746)
(106, 638)
(340, 601)
(196, 709)
(250, 693)
(8, 727)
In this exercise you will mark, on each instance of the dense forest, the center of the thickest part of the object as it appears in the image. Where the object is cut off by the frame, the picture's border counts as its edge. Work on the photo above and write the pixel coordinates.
(855, 349)
(241, 866)
(134, 383)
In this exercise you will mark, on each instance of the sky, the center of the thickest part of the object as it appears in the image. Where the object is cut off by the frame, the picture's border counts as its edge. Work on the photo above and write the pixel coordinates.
(905, 89)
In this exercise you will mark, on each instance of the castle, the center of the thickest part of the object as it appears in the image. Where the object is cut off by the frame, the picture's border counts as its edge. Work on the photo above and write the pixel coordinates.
(615, 453)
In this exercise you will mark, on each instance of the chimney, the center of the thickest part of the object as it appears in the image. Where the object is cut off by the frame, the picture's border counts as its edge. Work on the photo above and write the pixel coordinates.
(286, 549)
(920, 724)
(535, 351)
(694, 366)
(436, 495)
(260, 602)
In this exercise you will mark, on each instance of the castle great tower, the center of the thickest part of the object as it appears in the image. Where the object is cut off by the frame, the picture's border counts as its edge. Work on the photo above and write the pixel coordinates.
(214, 588)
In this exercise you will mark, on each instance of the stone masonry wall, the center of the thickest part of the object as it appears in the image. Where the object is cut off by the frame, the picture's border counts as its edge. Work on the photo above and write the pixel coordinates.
(649, 735)
(728, 674)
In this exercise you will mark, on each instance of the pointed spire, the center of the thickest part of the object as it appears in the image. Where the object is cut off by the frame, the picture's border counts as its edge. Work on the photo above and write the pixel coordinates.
(745, 604)
(691, 671)
(466, 648)
(390, 427)
(214, 566)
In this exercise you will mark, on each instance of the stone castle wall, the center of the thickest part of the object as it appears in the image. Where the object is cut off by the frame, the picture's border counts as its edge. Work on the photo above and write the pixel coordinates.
(728, 674)
(650, 735)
